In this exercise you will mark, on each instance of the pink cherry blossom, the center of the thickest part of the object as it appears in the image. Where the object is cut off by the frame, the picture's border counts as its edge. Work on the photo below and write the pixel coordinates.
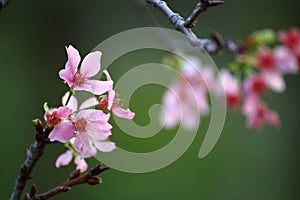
(91, 127)
(286, 61)
(181, 106)
(80, 163)
(257, 114)
(87, 127)
(55, 115)
(254, 84)
(186, 98)
(80, 79)
(273, 65)
(290, 38)
(265, 59)
(274, 81)
(62, 132)
(66, 158)
(231, 87)
(111, 102)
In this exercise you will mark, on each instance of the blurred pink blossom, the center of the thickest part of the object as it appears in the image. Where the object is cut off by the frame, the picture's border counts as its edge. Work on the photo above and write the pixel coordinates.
(186, 99)
(231, 87)
(257, 114)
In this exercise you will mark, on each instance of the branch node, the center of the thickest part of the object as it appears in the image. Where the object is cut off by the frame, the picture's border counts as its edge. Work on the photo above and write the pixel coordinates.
(64, 188)
(177, 20)
(98, 169)
(23, 168)
(32, 190)
(74, 174)
(215, 3)
(94, 181)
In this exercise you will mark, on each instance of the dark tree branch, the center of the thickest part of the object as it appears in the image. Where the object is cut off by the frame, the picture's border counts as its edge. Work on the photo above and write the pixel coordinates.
(3, 3)
(33, 154)
(200, 7)
(74, 179)
(211, 46)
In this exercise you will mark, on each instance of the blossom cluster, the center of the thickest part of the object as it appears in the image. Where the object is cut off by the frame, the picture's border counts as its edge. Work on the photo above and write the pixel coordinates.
(186, 98)
(84, 129)
(266, 59)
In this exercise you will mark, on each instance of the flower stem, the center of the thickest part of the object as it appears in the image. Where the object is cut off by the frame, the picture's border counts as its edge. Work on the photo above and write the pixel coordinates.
(69, 97)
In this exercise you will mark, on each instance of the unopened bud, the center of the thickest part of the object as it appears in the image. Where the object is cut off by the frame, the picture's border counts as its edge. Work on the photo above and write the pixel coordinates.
(94, 181)
(64, 188)
(38, 125)
(32, 190)
(74, 174)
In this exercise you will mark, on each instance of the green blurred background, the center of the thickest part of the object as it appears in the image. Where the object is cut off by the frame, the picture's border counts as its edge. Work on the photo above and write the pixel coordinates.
(245, 164)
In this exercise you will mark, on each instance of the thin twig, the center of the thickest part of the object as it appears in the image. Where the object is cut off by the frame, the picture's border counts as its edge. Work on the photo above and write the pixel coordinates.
(211, 46)
(74, 179)
(200, 7)
(33, 154)
(4, 3)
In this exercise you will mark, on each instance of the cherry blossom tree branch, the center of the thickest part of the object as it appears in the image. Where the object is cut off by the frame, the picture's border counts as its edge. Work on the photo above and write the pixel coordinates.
(35, 151)
(212, 46)
(200, 8)
(3, 3)
(74, 179)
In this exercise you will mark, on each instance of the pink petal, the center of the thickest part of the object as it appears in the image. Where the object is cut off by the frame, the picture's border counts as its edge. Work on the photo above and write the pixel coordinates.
(68, 76)
(97, 131)
(64, 159)
(64, 112)
(73, 59)
(62, 132)
(73, 104)
(274, 81)
(84, 87)
(108, 78)
(82, 115)
(91, 64)
(230, 83)
(80, 164)
(122, 113)
(83, 144)
(90, 102)
(272, 118)
(94, 86)
(190, 118)
(90, 153)
(99, 87)
(105, 146)
(251, 105)
(285, 60)
(99, 115)
(93, 115)
(111, 98)
(203, 106)
(255, 122)
(172, 113)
